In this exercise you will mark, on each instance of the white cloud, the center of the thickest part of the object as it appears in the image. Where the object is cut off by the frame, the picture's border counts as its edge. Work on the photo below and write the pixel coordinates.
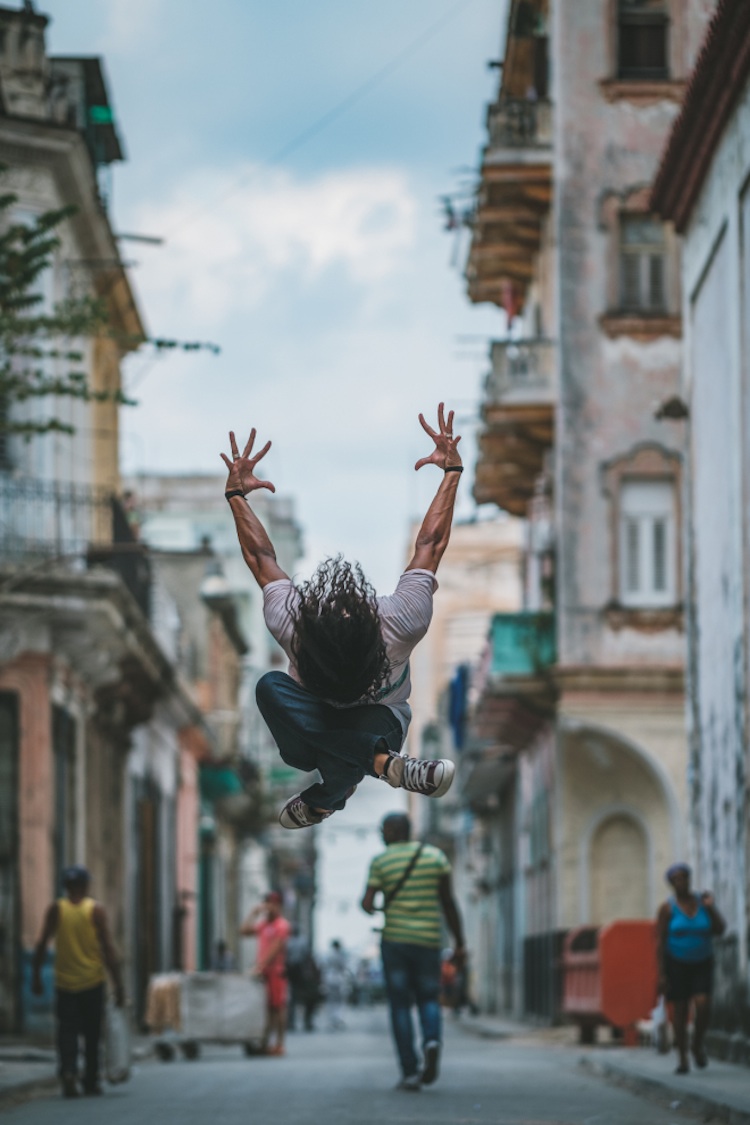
(232, 236)
(129, 22)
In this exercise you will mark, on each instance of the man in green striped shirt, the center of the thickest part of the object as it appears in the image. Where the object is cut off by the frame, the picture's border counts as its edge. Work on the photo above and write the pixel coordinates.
(415, 882)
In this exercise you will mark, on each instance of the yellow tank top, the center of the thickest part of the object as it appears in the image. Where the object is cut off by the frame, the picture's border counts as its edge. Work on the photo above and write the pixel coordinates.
(78, 959)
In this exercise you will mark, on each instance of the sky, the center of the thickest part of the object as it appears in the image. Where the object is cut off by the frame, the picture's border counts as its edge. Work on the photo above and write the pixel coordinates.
(309, 246)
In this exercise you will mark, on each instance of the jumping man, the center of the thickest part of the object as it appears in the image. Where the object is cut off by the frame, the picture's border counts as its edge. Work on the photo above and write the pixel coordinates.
(343, 708)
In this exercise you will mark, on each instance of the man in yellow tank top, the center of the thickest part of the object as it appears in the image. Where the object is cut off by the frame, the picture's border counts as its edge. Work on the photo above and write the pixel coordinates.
(83, 953)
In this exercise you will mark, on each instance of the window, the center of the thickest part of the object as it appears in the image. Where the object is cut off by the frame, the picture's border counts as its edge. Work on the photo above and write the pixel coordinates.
(642, 39)
(642, 264)
(647, 523)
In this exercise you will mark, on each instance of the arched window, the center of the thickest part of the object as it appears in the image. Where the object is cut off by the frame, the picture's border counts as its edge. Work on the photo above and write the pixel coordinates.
(618, 870)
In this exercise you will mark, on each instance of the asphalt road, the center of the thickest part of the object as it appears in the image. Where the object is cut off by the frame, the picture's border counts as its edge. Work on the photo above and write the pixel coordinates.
(348, 1078)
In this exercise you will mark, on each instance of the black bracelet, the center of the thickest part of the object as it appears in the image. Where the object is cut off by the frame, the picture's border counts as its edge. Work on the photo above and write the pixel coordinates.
(454, 469)
(234, 492)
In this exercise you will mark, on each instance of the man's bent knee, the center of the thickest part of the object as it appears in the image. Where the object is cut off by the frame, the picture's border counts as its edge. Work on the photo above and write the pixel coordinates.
(267, 689)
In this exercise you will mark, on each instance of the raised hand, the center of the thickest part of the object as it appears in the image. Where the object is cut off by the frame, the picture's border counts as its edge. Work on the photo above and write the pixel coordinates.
(242, 466)
(445, 452)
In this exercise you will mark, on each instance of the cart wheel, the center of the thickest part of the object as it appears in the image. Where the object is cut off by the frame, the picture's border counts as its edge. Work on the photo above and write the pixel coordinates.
(252, 1049)
(191, 1050)
(165, 1051)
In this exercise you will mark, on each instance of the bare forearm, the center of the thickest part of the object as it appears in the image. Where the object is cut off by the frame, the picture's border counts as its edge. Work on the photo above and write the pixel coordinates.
(435, 531)
(717, 921)
(453, 919)
(113, 966)
(253, 537)
(38, 958)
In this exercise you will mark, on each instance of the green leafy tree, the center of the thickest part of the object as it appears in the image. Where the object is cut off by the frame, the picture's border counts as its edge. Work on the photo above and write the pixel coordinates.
(34, 342)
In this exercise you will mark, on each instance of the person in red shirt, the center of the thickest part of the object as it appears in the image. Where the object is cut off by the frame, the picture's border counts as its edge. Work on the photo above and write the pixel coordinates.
(272, 930)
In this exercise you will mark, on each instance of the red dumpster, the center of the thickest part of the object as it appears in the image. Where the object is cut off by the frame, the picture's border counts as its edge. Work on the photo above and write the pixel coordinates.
(610, 976)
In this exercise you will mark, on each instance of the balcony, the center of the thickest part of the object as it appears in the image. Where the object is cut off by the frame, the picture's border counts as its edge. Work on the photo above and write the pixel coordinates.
(523, 123)
(516, 701)
(515, 188)
(519, 416)
(522, 644)
(523, 372)
(48, 525)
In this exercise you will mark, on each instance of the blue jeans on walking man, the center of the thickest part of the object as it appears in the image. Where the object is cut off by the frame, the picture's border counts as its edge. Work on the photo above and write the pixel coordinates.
(339, 742)
(412, 976)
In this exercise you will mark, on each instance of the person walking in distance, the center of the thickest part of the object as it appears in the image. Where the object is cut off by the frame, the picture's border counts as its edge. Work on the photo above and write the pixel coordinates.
(415, 882)
(83, 954)
(343, 708)
(336, 979)
(685, 928)
(272, 930)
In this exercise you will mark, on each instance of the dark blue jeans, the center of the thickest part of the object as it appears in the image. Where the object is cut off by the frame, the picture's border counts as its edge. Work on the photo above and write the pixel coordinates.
(339, 742)
(412, 976)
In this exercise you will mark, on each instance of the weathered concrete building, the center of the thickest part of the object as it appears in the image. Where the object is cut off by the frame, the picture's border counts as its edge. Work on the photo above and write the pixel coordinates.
(702, 187)
(187, 524)
(580, 757)
(93, 721)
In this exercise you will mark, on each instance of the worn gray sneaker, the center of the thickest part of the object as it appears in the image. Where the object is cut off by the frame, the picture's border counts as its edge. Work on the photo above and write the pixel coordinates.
(296, 814)
(430, 777)
(431, 1067)
(410, 1082)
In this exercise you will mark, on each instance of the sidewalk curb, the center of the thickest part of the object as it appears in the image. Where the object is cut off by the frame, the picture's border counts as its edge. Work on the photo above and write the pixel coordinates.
(710, 1109)
(484, 1031)
(27, 1091)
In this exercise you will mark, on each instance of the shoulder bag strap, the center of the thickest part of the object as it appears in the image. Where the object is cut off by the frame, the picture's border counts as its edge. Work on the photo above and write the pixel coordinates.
(388, 898)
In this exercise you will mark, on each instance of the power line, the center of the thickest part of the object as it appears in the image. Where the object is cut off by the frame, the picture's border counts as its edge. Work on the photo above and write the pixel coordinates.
(338, 110)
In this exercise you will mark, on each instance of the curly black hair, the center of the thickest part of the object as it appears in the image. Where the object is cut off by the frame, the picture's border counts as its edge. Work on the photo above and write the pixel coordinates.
(338, 645)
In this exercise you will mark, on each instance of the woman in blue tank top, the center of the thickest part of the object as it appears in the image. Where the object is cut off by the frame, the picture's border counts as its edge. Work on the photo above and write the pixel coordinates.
(686, 926)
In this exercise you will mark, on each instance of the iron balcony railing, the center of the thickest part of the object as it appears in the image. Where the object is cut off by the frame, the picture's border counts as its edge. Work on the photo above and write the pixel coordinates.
(522, 371)
(70, 526)
(520, 123)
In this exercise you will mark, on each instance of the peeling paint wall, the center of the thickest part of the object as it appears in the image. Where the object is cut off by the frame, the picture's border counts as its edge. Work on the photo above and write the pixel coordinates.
(716, 271)
(605, 150)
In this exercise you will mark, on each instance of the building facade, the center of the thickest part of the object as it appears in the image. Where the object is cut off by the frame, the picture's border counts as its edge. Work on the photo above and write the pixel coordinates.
(190, 530)
(580, 759)
(702, 188)
(94, 723)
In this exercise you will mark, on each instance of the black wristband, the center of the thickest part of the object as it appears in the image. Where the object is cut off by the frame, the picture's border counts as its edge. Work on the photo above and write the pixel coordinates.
(234, 492)
(454, 469)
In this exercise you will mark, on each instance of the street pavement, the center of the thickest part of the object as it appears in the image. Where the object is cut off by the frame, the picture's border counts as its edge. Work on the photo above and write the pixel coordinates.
(348, 1078)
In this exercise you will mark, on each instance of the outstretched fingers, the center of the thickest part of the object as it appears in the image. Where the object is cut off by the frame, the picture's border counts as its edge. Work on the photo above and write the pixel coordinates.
(250, 442)
(441, 417)
(261, 454)
(426, 427)
(233, 444)
(449, 427)
(226, 461)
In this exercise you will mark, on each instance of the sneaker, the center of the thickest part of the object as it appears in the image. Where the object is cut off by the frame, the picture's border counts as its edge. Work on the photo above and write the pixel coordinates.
(431, 1062)
(410, 1082)
(296, 814)
(432, 778)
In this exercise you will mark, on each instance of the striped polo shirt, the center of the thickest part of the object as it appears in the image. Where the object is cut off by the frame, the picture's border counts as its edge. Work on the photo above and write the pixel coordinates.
(415, 915)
